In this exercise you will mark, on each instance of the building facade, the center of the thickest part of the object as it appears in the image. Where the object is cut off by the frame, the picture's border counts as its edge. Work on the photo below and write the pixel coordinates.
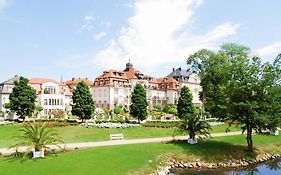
(114, 87)
(51, 95)
(189, 79)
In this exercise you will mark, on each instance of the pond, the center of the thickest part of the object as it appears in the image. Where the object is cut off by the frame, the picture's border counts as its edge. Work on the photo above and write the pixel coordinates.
(269, 168)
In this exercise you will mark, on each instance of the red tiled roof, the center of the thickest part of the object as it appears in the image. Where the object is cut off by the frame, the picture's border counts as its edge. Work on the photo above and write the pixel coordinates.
(41, 81)
(75, 81)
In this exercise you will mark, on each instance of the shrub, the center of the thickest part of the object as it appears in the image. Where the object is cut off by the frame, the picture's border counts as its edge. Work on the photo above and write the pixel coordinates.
(160, 124)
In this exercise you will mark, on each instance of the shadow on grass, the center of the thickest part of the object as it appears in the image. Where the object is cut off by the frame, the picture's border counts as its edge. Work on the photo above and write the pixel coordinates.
(25, 158)
(214, 151)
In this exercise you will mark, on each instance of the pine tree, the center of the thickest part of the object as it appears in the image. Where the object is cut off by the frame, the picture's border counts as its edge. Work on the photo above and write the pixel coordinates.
(22, 98)
(185, 105)
(83, 104)
(138, 108)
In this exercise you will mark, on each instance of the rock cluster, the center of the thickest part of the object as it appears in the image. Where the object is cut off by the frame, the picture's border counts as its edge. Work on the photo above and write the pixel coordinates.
(203, 165)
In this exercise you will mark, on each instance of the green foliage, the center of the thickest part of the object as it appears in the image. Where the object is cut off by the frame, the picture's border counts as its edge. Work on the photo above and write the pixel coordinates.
(106, 112)
(156, 114)
(173, 110)
(138, 108)
(157, 107)
(118, 110)
(38, 108)
(7, 105)
(22, 98)
(185, 105)
(192, 124)
(83, 104)
(167, 107)
(160, 124)
(238, 87)
(38, 136)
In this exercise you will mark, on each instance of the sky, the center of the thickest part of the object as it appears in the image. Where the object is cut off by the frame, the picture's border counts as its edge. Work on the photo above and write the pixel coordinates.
(82, 38)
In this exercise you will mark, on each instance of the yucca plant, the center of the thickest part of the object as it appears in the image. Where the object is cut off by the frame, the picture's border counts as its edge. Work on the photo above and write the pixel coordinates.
(37, 136)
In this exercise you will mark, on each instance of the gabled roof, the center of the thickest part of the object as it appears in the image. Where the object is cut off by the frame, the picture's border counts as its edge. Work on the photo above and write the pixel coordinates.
(12, 80)
(179, 72)
(113, 74)
(75, 81)
(41, 81)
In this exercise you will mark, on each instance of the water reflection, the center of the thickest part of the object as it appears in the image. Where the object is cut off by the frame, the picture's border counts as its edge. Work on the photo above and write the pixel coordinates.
(269, 168)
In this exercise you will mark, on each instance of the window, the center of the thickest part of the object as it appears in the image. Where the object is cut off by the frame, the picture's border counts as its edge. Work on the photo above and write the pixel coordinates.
(104, 93)
(50, 90)
(45, 101)
(50, 102)
(99, 93)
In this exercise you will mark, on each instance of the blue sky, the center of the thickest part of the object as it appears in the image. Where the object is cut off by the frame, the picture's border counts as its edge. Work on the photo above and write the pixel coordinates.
(77, 38)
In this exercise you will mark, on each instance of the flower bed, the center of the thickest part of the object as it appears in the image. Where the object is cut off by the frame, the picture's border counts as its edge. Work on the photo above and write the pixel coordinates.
(114, 125)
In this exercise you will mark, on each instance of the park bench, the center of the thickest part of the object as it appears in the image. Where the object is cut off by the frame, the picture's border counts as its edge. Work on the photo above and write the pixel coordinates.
(116, 137)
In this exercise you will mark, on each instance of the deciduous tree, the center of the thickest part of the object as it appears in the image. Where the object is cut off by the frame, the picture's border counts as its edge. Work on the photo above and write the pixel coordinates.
(22, 98)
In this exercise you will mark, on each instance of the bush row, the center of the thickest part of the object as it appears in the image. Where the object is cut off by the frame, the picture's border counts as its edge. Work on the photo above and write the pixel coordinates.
(161, 124)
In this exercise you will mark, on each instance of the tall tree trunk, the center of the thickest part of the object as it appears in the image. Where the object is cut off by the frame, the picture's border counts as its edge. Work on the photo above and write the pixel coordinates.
(249, 138)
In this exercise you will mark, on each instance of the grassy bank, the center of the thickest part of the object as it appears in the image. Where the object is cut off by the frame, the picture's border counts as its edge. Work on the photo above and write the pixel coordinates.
(74, 134)
(135, 159)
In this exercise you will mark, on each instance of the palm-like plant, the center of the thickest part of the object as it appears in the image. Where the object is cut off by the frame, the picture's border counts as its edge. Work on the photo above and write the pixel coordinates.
(192, 124)
(37, 136)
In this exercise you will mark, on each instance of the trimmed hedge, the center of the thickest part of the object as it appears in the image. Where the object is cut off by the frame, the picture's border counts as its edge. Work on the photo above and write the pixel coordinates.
(160, 124)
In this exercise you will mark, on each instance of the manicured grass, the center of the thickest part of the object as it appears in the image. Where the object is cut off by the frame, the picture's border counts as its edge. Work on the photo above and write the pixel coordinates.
(126, 159)
(74, 134)
(222, 128)
(81, 134)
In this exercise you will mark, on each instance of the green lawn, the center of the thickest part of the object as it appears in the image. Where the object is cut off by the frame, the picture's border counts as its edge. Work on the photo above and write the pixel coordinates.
(222, 128)
(73, 134)
(126, 159)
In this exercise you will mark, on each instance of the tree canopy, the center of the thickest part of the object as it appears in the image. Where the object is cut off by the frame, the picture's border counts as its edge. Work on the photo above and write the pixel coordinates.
(138, 107)
(83, 105)
(22, 98)
(238, 87)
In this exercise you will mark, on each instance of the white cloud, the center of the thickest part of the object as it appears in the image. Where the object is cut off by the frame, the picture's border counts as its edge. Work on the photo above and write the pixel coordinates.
(154, 36)
(271, 50)
(4, 4)
(99, 36)
(87, 23)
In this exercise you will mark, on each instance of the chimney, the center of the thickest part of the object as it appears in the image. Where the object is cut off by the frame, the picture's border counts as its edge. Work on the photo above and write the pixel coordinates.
(73, 79)
(179, 68)
(173, 69)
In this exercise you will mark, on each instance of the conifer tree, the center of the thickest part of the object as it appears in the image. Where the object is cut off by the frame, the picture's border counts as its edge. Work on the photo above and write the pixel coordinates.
(83, 105)
(138, 108)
